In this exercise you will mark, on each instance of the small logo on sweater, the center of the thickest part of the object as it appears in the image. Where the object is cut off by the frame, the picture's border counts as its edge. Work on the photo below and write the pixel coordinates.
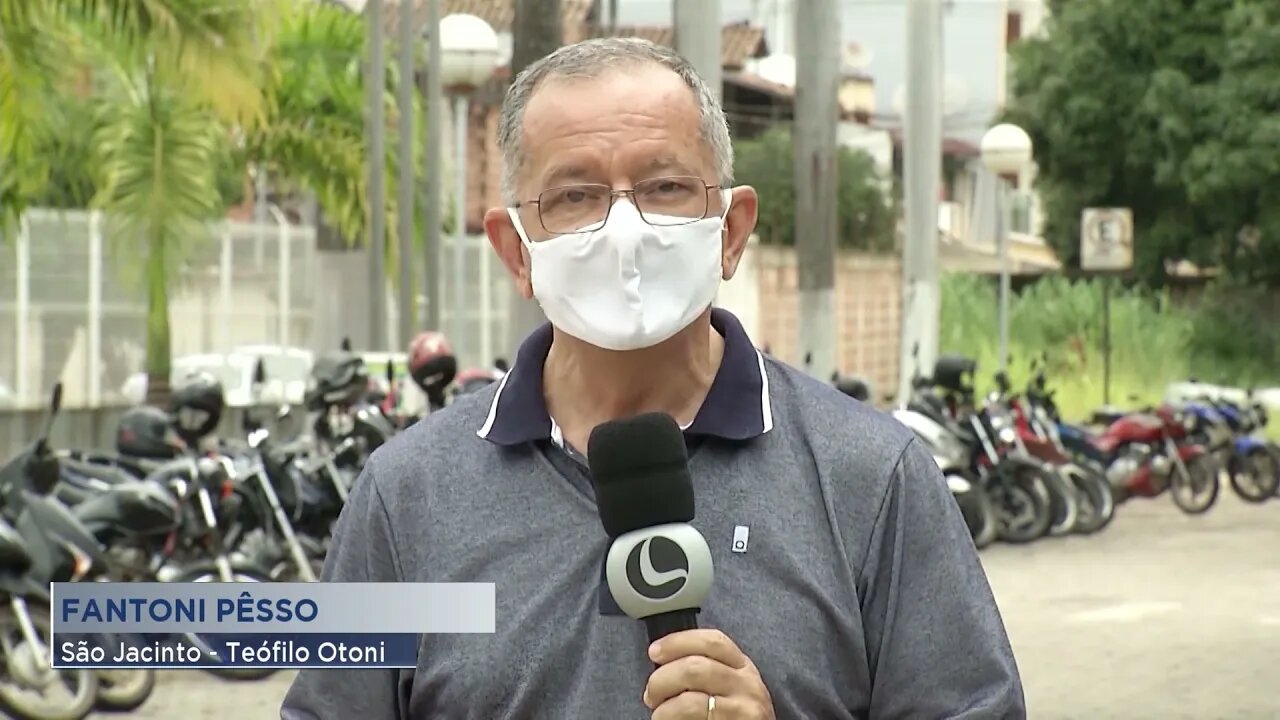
(740, 535)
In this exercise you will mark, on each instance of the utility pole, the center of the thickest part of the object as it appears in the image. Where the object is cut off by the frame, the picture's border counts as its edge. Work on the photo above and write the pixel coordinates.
(405, 166)
(432, 223)
(697, 30)
(817, 121)
(375, 126)
(922, 176)
(537, 33)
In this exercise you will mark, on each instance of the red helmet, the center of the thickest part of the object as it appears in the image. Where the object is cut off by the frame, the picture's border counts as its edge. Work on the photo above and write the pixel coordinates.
(431, 362)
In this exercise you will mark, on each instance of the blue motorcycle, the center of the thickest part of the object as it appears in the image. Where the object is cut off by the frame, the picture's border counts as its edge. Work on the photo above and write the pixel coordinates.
(1229, 431)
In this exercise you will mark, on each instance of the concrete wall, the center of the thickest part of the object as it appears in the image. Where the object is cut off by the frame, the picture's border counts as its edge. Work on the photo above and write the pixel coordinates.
(868, 312)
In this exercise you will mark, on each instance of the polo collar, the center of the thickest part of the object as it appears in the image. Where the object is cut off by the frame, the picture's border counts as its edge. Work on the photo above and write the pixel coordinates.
(737, 405)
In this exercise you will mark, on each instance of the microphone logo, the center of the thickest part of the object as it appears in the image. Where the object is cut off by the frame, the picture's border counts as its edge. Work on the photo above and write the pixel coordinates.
(657, 568)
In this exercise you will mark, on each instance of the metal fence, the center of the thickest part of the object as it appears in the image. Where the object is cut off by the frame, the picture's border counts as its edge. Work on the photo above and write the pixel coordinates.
(73, 302)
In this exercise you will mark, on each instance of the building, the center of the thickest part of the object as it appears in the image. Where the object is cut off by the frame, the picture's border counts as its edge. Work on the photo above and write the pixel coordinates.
(967, 221)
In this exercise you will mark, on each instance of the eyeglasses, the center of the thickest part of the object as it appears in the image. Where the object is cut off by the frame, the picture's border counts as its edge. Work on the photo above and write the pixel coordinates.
(663, 201)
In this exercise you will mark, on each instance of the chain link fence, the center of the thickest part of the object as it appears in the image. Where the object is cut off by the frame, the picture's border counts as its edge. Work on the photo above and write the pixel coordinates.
(73, 303)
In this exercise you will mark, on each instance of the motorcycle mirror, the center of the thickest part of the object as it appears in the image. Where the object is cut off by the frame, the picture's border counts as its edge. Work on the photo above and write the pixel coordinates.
(55, 405)
(501, 364)
(259, 372)
(391, 372)
(346, 345)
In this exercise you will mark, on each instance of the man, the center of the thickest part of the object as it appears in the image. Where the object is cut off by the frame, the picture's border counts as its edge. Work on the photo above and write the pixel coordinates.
(860, 593)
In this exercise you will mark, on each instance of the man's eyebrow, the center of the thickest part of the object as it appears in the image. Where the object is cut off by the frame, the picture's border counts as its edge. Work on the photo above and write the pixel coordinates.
(563, 174)
(669, 162)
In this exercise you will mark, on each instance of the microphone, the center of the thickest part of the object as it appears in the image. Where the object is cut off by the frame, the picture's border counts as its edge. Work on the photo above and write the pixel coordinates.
(659, 567)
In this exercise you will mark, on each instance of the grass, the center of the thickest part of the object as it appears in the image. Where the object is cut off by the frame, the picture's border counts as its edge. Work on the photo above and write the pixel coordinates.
(1059, 322)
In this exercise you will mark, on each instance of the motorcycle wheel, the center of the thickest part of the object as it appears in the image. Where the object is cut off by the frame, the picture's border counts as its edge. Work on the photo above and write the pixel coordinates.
(124, 690)
(1275, 453)
(287, 570)
(989, 530)
(1198, 491)
(206, 574)
(1097, 502)
(979, 515)
(1255, 475)
(22, 675)
(1022, 506)
(1063, 503)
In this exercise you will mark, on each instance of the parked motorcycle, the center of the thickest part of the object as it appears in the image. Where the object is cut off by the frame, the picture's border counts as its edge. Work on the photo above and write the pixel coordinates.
(25, 629)
(1016, 486)
(951, 456)
(1143, 454)
(1228, 431)
(1038, 433)
(165, 525)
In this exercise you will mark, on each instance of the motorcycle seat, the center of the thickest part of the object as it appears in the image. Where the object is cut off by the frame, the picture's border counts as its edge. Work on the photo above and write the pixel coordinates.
(138, 508)
(1107, 415)
(108, 474)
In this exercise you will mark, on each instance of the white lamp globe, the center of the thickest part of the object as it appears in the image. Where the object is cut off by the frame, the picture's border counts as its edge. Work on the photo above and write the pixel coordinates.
(468, 51)
(1006, 149)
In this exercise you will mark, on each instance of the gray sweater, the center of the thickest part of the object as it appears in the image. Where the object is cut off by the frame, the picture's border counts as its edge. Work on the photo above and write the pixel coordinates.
(859, 594)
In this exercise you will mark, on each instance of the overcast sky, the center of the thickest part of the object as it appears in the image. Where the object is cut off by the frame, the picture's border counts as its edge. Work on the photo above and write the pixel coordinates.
(972, 31)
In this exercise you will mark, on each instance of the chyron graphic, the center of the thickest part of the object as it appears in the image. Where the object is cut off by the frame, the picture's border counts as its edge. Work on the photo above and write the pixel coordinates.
(657, 568)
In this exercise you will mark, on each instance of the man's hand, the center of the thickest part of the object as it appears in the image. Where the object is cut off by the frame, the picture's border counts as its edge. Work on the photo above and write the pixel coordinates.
(695, 664)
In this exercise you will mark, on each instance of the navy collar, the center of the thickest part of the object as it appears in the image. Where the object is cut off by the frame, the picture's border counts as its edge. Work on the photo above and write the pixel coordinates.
(737, 405)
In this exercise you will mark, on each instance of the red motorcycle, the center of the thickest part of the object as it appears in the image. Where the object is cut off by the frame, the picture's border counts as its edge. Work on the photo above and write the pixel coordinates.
(1145, 453)
(1039, 437)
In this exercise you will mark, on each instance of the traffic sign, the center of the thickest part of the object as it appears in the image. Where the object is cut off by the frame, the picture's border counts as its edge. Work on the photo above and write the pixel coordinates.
(1106, 239)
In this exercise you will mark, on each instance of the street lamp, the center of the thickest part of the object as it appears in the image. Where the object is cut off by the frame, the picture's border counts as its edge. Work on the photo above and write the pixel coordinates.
(1006, 149)
(468, 56)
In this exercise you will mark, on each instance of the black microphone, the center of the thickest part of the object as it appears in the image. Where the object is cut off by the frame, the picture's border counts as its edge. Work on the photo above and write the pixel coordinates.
(659, 567)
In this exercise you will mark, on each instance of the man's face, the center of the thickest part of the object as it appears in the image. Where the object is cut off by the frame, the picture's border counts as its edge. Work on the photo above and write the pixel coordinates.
(626, 126)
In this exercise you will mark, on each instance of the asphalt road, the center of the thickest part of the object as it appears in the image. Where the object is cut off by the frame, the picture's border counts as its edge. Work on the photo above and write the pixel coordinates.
(1160, 616)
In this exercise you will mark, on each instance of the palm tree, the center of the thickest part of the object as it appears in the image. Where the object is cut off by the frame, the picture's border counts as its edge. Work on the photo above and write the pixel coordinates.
(314, 135)
(186, 84)
(215, 40)
(176, 71)
(159, 151)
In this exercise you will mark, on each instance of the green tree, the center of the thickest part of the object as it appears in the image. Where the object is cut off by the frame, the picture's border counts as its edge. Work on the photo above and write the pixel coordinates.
(159, 155)
(1166, 108)
(46, 45)
(867, 215)
(313, 138)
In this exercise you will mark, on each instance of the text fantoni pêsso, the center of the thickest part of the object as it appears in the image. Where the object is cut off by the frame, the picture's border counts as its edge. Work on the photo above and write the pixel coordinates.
(244, 609)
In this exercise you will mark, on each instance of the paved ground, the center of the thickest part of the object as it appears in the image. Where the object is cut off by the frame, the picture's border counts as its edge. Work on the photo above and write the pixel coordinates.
(1160, 616)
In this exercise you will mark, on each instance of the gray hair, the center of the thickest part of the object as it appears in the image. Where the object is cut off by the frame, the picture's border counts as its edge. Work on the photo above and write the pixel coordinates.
(590, 59)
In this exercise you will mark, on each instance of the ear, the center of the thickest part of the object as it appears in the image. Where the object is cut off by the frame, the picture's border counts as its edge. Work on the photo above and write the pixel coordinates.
(738, 226)
(506, 242)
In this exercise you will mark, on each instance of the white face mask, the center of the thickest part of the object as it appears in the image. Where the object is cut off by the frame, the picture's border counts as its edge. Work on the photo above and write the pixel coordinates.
(629, 284)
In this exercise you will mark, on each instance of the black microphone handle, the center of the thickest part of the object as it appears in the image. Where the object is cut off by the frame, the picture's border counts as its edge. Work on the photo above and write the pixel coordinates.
(664, 624)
